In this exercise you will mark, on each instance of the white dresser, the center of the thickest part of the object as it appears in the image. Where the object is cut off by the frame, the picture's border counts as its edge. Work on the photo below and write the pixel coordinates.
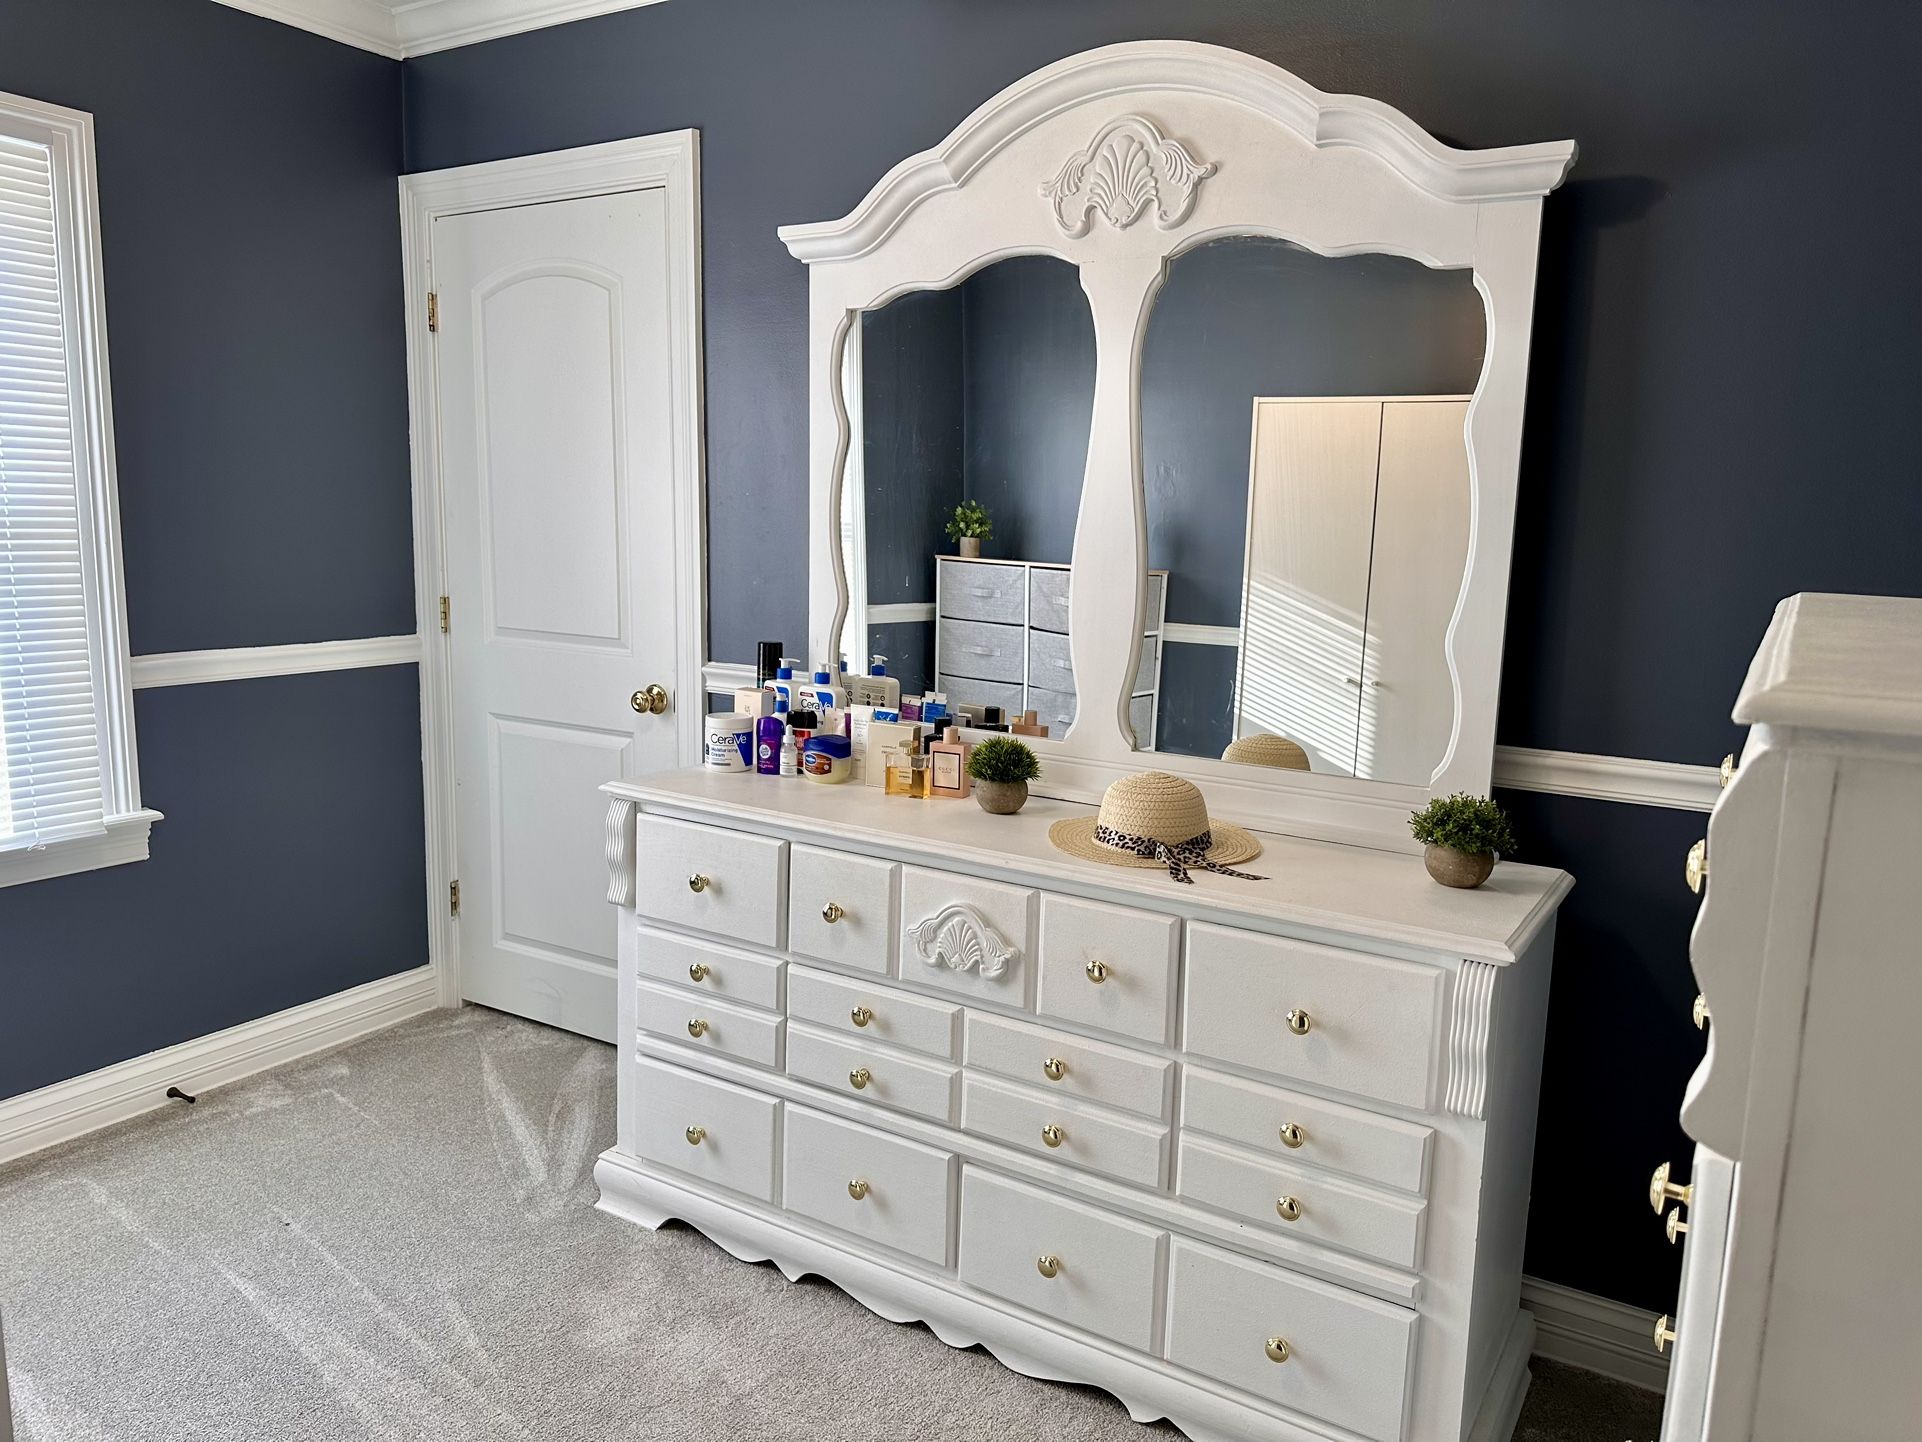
(1250, 1155)
(1800, 1315)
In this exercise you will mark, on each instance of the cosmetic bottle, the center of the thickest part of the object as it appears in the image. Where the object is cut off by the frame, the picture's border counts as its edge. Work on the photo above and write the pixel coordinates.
(877, 688)
(826, 759)
(821, 694)
(907, 773)
(729, 742)
(859, 718)
(767, 660)
(803, 723)
(948, 761)
(1027, 724)
(785, 684)
(790, 754)
(769, 733)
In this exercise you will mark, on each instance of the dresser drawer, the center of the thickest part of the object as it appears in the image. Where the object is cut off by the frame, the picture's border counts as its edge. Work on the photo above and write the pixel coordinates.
(1053, 709)
(971, 591)
(713, 1130)
(982, 650)
(1049, 666)
(1334, 1213)
(1370, 1022)
(895, 1193)
(1093, 1137)
(1055, 1062)
(681, 1015)
(1106, 1271)
(841, 908)
(1048, 592)
(961, 691)
(872, 1073)
(874, 1013)
(1347, 1355)
(710, 968)
(1307, 1130)
(710, 879)
(1137, 953)
(966, 936)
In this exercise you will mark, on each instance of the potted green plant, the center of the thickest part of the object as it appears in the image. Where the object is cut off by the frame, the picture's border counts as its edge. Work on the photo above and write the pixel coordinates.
(1002, 767)
(1462, 836)
(969, 526)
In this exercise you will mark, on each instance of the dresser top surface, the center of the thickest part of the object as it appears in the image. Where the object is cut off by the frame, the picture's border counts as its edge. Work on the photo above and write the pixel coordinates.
(1322, 886)
(1842, 663)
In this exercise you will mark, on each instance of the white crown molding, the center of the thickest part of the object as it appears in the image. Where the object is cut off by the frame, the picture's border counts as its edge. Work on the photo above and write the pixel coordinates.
(1672, 784)
(401, 28)
(73, 1108)
(189, 668)
(1595, 1334)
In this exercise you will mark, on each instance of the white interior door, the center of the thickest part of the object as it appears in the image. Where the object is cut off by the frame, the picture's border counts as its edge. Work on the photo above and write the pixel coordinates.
(554, 389)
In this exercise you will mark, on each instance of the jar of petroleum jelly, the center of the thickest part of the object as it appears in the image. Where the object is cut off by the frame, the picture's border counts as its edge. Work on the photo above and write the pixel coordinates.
(827, 758)
(730, 743)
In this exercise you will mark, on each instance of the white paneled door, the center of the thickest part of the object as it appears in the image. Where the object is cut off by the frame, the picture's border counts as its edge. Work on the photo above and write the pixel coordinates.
(554, 389)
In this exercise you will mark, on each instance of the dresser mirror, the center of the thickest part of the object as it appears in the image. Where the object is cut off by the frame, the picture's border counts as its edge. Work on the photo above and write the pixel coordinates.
(1303, 440)
(978, 393)
(1161, 175)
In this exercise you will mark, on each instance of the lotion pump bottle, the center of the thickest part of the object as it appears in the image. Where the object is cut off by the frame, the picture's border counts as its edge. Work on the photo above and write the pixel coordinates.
(784, 683)
(822, 695)
(877, 688)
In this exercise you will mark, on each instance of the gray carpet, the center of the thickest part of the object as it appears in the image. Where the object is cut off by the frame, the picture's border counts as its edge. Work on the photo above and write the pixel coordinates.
(396, 1240)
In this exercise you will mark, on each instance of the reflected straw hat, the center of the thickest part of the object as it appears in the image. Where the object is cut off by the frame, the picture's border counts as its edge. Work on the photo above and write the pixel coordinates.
(1154, 819)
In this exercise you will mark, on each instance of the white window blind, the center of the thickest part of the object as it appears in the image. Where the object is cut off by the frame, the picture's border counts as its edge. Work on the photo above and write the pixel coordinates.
(50, 762)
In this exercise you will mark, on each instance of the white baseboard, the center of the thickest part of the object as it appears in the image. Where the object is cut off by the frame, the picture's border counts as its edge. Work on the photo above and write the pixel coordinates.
(73, 1108)
(1594, 1333)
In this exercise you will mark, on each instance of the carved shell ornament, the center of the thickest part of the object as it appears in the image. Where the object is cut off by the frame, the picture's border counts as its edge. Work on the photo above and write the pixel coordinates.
(960, 938)
(1127, 168)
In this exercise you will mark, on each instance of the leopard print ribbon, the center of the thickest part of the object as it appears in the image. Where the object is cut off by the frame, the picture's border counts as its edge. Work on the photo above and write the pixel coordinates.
(1177, 856)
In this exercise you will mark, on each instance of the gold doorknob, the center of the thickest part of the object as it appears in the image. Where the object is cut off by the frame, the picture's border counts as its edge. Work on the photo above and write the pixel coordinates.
(858, 1189)
(1048, 1265)
(1664, 1333)
(1277, 1349)
(1299, 1022)
(1661, 1190)
(698, 883)
(1676, 1226)
(832, 912)
(649, 700)
(697, 1027)
(1292, 1135)
(859, 1078)
(861, 1016)
(1288, 1209)
(697, 971)
(1053, 1135)
(1097, 971)
(1698, 1013)
(1695, 869)
(1054, 1068)
(696, 1135)
(1728, 768)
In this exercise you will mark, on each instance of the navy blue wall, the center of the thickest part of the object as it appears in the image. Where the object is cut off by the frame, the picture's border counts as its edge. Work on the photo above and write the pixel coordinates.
(250, 243)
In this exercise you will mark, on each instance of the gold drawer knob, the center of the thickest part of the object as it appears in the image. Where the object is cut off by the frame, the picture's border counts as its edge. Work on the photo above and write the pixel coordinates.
(696, 1135)
(861, 1016)
(1676, 1226)
(859, 1078)
(698, 883)
(1288, 1209)
(1048, 1265)
(1695, 869)
(697, 971)
(858, 1189)
(1662, 1191)
(696, 1027)
(1054, 1068)
(1728, 769)
(1097, 971)
(1277, 1349)
(1292, 1135)
(1299, 1022)
(1664, 1333)
(1053, 1135)
(832, 912)
(1699, 1012)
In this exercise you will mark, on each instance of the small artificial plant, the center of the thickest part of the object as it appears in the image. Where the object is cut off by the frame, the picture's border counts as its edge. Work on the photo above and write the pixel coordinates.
(970, 518)
(1002, 758)
(1472, 825)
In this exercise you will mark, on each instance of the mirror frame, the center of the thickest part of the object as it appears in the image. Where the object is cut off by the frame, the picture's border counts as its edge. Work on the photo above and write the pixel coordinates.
(1117, 160)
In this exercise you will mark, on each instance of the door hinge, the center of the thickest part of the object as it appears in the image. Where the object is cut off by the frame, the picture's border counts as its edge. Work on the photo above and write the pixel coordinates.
(446, 609)
(453, 898)
(433, 311)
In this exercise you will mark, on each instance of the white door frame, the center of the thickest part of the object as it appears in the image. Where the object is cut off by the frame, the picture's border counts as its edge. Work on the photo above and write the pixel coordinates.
(668, 162)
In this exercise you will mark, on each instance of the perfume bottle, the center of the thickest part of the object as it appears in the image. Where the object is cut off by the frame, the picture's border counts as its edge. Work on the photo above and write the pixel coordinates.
(907, 773)
(948, 765)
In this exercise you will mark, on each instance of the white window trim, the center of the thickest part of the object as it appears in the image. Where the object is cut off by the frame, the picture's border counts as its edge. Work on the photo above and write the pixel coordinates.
(69, 133)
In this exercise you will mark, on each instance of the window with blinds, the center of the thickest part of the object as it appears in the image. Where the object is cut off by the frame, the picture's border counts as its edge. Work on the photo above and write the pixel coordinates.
(66, 757)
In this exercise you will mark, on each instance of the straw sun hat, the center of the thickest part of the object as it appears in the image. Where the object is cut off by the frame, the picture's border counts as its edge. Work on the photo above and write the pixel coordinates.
(1154, 819)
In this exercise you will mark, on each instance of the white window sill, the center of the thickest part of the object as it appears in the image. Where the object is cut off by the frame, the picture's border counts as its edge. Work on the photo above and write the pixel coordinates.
(124, 840)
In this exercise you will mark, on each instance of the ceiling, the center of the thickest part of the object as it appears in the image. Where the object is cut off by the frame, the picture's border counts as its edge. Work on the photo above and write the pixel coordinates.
(399, 28)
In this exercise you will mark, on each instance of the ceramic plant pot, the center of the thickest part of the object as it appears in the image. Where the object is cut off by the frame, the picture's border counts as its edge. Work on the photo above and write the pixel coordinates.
(970, 548)
(1001, 798)
(1466, 869)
